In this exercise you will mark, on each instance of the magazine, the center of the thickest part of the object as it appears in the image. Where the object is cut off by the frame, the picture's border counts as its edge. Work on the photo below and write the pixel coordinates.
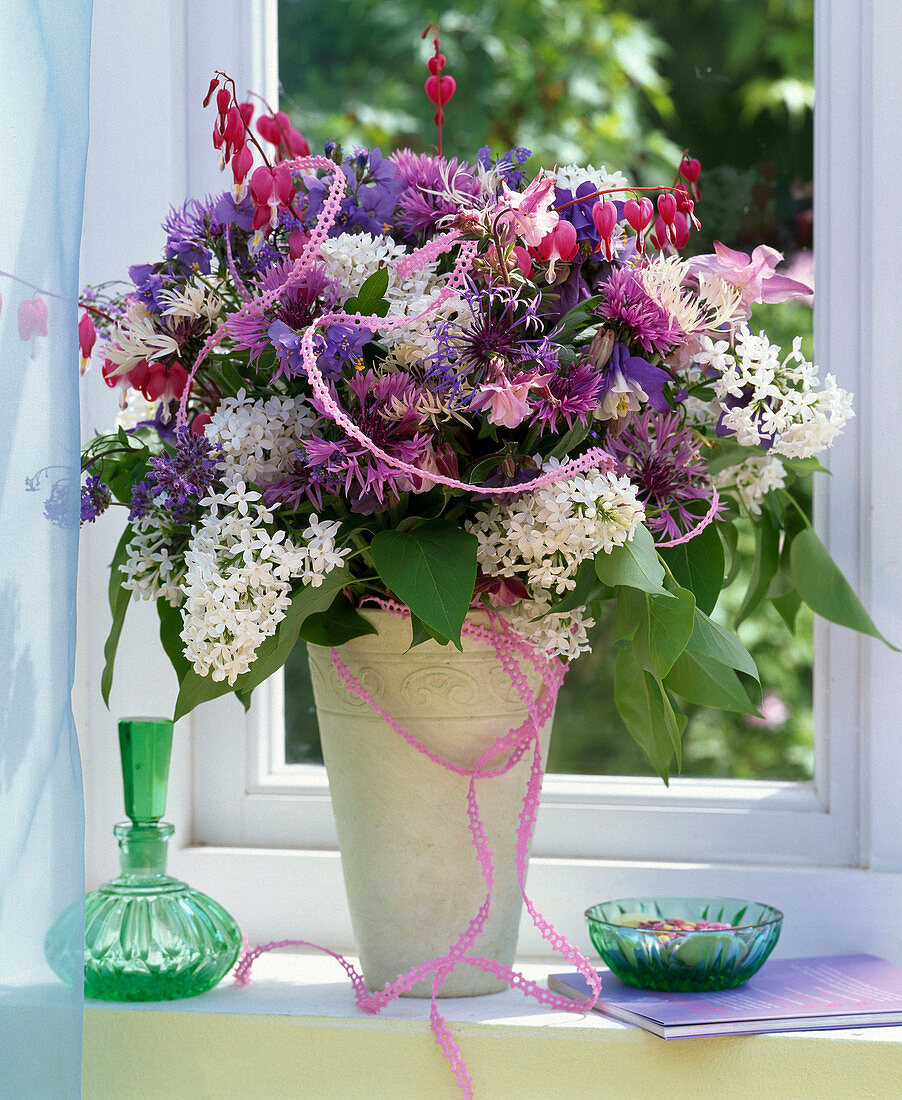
(785, 995)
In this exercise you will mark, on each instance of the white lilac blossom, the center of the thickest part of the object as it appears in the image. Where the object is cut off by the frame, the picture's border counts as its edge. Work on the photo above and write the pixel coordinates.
(237, 583)
(774, 402)
(259, 439)
(751, 480)
(153, 569)
(543, 537)
(570, 176)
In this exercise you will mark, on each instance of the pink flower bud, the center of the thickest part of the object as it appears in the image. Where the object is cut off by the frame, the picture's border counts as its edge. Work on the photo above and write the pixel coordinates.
(604, 214)
(214, 84)
(436, 63)
(679, 232)
(659, 234)
(32, 318)
(297, 143)
(223, 99)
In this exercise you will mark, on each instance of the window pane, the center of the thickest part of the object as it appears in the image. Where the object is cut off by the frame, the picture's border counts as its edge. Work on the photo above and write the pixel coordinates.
(628, 84)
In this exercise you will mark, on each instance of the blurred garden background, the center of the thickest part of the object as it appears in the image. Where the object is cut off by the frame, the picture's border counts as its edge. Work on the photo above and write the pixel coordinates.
(628, 84)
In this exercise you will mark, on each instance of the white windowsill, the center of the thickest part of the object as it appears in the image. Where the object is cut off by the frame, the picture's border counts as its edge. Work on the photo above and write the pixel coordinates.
(295, 1030)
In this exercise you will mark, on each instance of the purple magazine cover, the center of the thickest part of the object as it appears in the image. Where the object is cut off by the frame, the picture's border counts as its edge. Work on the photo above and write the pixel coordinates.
(783, 995)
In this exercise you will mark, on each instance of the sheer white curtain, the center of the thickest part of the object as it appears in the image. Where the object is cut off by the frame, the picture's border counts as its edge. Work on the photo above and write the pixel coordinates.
(44, 63)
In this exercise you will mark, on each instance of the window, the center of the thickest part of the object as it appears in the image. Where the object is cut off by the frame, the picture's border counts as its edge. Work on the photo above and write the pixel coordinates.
(263, 844)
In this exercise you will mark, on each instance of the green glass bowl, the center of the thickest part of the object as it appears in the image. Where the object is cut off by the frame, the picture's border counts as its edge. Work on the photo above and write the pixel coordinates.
(684, 961)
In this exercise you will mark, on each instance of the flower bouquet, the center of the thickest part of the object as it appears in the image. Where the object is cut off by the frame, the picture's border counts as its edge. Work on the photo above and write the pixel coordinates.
(358, 377)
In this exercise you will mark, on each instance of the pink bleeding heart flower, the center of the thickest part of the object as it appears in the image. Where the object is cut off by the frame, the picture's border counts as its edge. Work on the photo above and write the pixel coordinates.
(283, 185)
(268, 129)
(436, 63)
(659, 236)
(679, 232)
(690, 169)
(242, 163)
(440, 88)
(754, 275)
(32, 318)
(604, 215)
(87, 337)
(667, 208)
(558, 245)
(639, 214)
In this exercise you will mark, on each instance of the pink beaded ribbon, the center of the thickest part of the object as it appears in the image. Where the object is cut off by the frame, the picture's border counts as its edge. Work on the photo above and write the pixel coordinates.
(498, 758)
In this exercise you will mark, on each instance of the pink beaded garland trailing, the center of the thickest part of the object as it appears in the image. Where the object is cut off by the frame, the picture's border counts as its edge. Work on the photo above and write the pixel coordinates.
(498, 759)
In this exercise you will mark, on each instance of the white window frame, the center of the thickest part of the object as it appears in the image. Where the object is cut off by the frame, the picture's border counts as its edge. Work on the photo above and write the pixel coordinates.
(258, 834)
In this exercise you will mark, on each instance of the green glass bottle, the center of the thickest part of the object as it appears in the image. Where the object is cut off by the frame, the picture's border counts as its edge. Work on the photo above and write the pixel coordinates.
(148, 936)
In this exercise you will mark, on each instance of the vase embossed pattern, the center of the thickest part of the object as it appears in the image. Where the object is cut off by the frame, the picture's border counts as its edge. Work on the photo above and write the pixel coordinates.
(410, 867)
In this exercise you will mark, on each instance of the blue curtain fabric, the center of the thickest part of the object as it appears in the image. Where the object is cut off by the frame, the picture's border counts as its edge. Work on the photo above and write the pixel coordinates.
(44, 68)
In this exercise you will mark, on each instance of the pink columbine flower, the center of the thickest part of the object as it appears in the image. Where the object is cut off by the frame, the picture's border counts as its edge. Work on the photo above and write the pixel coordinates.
(754, 275)
(530, 213)
(507, 399)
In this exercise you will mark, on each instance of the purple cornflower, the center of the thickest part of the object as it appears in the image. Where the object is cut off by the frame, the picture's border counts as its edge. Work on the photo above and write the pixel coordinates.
(661, 459)
(505, 330)
(186, 230)
(302, 481)
(434, 188)
(178, 481)
(570, 394)
(387, 410)
(95, 498)
(625, 300)
(296, 308)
